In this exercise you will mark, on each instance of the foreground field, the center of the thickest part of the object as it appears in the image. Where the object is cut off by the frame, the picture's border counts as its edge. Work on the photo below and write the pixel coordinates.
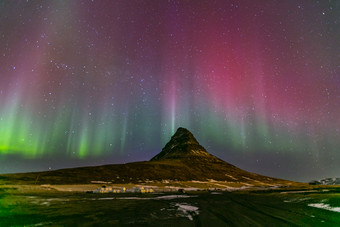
(197, 208)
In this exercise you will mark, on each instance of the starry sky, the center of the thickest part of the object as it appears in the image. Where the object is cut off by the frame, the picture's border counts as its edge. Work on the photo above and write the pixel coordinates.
(96, 82)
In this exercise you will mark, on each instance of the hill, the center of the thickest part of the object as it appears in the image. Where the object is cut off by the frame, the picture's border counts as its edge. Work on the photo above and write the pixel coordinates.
(326, 181)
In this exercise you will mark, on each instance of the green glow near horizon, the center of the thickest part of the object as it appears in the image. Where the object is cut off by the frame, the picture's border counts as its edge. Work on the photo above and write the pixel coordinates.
(26, 133)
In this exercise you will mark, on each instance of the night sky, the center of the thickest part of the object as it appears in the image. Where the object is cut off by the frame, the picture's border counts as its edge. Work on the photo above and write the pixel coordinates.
(109, 81)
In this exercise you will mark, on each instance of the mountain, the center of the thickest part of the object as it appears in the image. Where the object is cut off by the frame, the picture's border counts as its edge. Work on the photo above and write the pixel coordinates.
(183, 145)
(182, 159)
(326, 181)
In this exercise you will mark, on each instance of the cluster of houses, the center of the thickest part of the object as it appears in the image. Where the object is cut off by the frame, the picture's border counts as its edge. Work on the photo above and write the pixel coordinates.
(107, 189)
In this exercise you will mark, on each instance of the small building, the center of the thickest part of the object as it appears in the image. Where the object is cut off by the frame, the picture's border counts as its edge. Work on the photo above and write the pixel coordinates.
(105, 189)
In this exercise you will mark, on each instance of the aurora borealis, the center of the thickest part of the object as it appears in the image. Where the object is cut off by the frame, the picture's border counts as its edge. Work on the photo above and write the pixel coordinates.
(97, 82)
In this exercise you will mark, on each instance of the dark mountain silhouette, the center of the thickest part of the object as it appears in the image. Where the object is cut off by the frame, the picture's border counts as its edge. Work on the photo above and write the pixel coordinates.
(183, 145)
(182, 159)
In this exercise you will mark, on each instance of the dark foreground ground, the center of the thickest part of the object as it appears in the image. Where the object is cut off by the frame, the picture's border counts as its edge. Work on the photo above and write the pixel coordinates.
(279, 208)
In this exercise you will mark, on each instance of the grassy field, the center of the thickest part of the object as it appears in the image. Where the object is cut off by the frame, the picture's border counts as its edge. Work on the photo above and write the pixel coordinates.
(241, 208)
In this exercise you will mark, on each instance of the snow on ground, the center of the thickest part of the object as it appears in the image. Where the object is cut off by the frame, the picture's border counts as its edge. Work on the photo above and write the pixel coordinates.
(165, 197)
(293, 192)
(188, 210)
(236, 189)
(173, 188)
(246, 184)
(227, 175)
(173, 197)
(247, 178)
(296, 200)
(197, 181)
(186, 189)
(325, 207)
(43, 201)
(129, 198)
(222, 185)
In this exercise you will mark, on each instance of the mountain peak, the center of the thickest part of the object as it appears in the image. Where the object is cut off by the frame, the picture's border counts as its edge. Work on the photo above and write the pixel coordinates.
(182, 145)
(183, 135)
